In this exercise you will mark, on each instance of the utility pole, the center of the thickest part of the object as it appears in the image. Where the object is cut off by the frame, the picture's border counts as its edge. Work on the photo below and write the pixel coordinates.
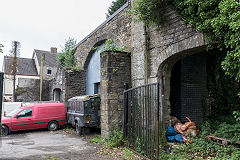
(14, 69)
(1, 95)
(41, 81)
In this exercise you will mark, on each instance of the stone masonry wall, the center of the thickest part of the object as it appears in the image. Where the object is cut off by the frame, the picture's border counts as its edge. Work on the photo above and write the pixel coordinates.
(74, 84)
(58, 83)
(153, 52)
(172, 38)
(118, 29)
(28, 90)
(173, 41)
(115, 71)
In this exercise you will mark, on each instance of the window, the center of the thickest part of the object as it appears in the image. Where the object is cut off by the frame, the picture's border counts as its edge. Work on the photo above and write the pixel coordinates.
(49, 71)
(96, 88)
(25, 113)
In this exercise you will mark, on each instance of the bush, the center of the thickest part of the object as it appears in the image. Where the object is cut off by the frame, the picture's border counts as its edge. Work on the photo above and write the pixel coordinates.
(115, 139)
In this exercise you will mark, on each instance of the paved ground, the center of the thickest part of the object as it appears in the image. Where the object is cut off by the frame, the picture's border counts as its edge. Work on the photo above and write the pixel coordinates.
(46, 145)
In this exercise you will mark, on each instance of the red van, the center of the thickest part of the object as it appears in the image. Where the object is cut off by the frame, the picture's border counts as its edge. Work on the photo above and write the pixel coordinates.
(35, 116)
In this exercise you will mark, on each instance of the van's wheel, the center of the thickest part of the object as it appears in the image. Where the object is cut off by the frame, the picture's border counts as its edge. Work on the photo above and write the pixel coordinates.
(5, 130)
(52, 126)
(78, 129)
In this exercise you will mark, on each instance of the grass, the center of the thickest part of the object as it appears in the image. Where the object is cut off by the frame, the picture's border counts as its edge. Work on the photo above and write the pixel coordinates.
(98, 140)
(52, 158)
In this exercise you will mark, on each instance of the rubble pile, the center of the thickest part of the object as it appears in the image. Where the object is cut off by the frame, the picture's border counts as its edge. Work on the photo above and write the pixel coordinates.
(178, 132)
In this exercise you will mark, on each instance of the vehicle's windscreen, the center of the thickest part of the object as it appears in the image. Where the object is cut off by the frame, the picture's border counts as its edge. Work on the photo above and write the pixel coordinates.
(11, 114)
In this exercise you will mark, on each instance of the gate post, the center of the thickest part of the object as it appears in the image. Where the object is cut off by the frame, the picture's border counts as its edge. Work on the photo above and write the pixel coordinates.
(157, 124)
(125, 106)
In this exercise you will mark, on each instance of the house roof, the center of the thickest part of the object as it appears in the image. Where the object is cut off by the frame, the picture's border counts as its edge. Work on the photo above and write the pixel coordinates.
(25, 66)
(50, 58)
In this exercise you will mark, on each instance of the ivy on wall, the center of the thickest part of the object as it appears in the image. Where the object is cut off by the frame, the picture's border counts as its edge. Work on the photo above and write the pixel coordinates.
(219, 19)
(222, 89)
(148, 11)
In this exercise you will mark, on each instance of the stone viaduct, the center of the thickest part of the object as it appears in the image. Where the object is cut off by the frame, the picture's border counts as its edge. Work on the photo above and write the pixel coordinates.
(155, 55)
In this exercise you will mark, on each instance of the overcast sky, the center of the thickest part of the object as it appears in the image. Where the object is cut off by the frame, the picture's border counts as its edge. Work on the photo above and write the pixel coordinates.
(41, 24)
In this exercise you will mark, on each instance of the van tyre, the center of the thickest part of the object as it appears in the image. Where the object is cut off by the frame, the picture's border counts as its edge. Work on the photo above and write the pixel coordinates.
(52, 126)
(78, 129)
(5, 130)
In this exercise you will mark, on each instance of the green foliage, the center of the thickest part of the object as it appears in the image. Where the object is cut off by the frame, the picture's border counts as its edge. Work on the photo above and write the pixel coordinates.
(52, 158)
(148, 11)
(203, 149)
(1, 51)
(115, 5)
(222, 89)
(115, 138)
(127, 154)
(219, 19)
(222, 126)
(98, 140)
(237, 115)
(66, 57)
(109, 45)
(229, 131)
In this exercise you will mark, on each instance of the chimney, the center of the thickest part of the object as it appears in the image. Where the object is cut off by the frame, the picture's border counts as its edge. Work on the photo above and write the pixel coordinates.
(53, 50)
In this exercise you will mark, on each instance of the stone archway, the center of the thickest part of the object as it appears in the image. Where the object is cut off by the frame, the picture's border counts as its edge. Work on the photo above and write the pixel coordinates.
(179, 83)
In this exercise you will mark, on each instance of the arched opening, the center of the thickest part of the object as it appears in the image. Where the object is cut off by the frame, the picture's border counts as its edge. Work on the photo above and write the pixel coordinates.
(93, 75)
(183, 79)
(188, 88)
(57, 94)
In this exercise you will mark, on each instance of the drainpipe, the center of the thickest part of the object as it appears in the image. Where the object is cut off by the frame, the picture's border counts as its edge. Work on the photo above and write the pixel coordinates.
(41, 81)
(161, 98)
(146, 52)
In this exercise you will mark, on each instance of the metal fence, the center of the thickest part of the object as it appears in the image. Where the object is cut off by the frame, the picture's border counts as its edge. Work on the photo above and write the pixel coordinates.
(141, 119)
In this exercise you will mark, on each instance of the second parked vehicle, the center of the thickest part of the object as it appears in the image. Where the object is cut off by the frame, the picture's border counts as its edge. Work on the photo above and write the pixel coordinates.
(84, 111)
(35, 116)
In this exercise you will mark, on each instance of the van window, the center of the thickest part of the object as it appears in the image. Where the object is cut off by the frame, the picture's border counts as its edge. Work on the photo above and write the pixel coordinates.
(69, 106)
(78, 106)
(95, 102)
(25, 113)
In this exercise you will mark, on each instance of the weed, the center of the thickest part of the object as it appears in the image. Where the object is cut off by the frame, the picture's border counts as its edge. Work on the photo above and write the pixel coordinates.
(115, 138)
(115, 70)
(52, 158)
(128, 154)
(98, 140)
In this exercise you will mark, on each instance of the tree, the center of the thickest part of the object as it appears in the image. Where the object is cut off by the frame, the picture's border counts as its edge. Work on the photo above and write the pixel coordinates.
(1, 51)
(115, 5)
(66, 56)
(15, 52)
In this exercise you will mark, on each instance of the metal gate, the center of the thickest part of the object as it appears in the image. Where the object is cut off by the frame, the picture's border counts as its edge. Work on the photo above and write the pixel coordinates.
(141, 119)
